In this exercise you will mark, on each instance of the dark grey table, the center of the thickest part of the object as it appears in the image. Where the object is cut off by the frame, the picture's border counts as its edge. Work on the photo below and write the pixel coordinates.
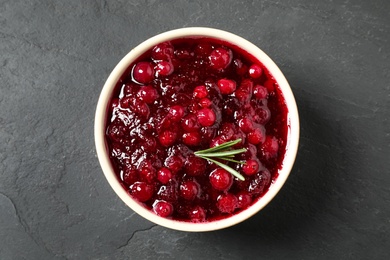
(55, 202)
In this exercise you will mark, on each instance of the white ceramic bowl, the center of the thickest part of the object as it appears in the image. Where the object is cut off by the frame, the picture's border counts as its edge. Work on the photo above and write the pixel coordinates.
(100, 126)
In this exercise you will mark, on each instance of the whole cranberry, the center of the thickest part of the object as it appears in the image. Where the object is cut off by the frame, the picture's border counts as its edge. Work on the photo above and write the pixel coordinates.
(257, 136)
(162, 208)
(243, 199)
(164, 175)
(192, 138)
(189, 190)
(227, 203)
(167, 138)
(148, 94)
(129, 175)
(255, 71)
(141, 191)
(270, 147)
(250, 167)
(206, 117)
(174, 163)
(260, 92)
(221, 179)
(190, 123)
(205, 102)
(197, 214)
(246, 124)
(260, 183)
(163, 51)
(176, 113)
(195, 166)
(164, 68)
(143, 72)
(220, 58)
(200, 92)
(226, 86)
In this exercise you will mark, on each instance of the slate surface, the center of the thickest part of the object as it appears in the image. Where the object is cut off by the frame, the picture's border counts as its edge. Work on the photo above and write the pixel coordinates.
(54, 200)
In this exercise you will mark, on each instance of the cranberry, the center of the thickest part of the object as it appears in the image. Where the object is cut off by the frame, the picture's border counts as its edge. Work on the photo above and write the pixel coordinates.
(206, 117)
(257, 136)
(246, 125)
(260, 92)
(255, 71)
(203, 49)
(141, 191)
(243, 199)
(164, 175)
(205, 102)
(167, 138)
(221, 179)
(168, 192)
(192, 139)
(241, 68)
(163, 51)
(251, 167)
(162, 208)
(164, 68)
(117, 131)
(270, 147)
(189, 123)
(262, 115)
(260, 183)
(147, 174)
(176, 113)
(129, 175)
(226, 86)
(227, 203)
(197, 214)
(143, 72)
(174, 163)
(220, 58)
(195, 166)
(189, 190)
(148, 94)
(200, 92)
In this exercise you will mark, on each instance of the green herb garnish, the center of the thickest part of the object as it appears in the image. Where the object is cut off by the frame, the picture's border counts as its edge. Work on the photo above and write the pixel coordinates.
(223, 152)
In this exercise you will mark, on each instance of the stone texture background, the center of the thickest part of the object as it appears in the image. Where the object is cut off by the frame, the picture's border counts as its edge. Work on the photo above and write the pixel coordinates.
(54, 59)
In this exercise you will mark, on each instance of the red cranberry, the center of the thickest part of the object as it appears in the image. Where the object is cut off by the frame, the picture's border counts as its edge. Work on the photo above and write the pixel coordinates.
(246, 125)
(205, 102)
(260, 92)
(164, 175)
(221, 179)
(167, 138)
(162, 208)
(168, 192)
(255, 71)
(189, 123)
(257, 136)
(174, 163)
(192, 139)
(197, 214)
(227, 203)
(129, 175)
(141, 191)
(195, 166)
(270, 147)
(189, 190)
(226, 86)
(147, 173)
(200, 92)
(176, 113)
(220, 58)
(262, 115)
(227, 131)
(217, 141)
(164, 68)
(243, 200)
(242, 95)
(148, 94)
(163, 51)
(250, 167)
(143, 72)
(206, 117)
(117, 131)
(260, 183)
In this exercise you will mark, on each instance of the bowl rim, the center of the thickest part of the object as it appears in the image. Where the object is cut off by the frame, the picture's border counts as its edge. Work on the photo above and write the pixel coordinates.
(292, 138)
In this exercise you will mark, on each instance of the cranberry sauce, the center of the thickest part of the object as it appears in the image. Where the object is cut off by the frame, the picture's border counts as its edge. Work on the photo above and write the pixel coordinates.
(188, 95)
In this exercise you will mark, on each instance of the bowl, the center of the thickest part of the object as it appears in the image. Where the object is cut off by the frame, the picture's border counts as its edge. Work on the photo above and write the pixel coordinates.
(103, 108)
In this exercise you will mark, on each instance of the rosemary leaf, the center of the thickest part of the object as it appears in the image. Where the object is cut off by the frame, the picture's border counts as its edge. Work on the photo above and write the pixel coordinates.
(219, 147)
(222, 154)
(227, 168)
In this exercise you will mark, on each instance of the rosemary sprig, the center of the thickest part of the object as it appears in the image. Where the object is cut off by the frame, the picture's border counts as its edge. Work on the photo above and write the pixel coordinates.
(223, 152)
